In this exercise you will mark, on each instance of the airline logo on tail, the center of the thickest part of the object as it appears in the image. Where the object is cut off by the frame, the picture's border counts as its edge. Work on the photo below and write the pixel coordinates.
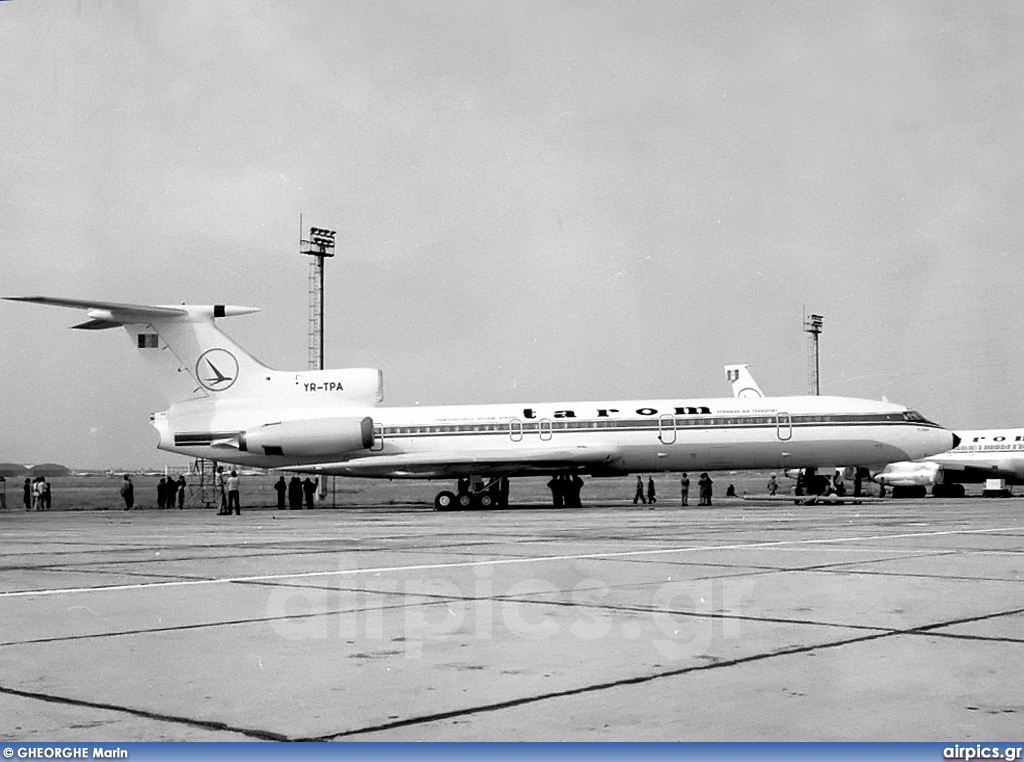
(217, 369)
(743, 384)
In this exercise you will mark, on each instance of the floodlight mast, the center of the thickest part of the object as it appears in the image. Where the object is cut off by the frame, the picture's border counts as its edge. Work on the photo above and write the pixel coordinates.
(812, 327)
(319, 245)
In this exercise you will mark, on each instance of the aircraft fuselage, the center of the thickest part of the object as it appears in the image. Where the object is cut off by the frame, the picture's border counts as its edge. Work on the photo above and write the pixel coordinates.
(590, 437)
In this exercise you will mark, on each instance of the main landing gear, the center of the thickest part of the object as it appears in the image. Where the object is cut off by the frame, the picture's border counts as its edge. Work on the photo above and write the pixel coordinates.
(474, 494)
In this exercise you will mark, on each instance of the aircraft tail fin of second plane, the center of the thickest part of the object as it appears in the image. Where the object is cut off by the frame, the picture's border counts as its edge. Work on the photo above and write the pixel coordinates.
(743, 384)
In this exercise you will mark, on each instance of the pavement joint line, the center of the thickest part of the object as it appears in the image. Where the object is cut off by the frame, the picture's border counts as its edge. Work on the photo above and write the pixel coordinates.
(503, 562)
(206, 724)
(596, 687)
(639, 679)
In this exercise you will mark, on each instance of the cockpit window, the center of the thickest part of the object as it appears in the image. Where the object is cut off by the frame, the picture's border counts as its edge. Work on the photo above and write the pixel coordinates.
(915, 417)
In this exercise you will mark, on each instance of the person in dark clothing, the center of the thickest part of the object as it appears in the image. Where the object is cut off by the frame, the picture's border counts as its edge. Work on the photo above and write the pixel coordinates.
(295, 494)
(282, 490)
(181, 490)
(170, 492)
(557, 494)
(161, 492)
(639, 491)
(574, 486)
(27, 496)
(651, 493)
(706, 485)
(308, 491)
(128, 492)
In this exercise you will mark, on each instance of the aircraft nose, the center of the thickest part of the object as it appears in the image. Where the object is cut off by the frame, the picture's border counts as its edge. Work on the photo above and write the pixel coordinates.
(956, 441)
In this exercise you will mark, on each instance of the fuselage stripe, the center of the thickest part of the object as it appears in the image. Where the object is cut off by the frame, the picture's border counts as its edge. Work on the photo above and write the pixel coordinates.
(546, 427)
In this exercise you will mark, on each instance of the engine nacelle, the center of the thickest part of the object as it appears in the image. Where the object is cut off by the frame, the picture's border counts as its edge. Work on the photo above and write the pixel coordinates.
(309, 438)
(910, 475)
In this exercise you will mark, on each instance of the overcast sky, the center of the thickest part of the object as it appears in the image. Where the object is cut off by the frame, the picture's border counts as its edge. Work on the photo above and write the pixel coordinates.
(535, 201)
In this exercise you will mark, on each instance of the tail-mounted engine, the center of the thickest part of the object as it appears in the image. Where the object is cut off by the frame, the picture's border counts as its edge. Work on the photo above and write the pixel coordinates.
(310, 438)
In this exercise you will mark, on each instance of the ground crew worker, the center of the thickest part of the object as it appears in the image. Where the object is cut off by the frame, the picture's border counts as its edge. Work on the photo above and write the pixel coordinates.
(128, 492)
(234, 493)
(282, 489)
(639, 491)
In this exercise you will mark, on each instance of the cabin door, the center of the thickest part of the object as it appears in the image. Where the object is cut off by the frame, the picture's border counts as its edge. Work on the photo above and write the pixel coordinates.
(544, 428)
(667, 429)
(784, 427)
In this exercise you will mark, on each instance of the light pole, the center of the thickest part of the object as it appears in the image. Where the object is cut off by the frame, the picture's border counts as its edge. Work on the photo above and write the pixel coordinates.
(812, 326)
(319, 245)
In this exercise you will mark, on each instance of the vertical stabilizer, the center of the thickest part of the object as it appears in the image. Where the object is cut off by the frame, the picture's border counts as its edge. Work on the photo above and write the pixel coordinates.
(190, 357)
(743, 384)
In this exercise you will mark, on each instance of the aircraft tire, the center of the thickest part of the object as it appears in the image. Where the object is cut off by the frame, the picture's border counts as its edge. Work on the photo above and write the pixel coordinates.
(464, 500)
(444, 501)
(485, 500)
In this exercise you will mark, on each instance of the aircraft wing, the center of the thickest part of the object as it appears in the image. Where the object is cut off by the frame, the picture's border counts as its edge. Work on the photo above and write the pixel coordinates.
(520, 462)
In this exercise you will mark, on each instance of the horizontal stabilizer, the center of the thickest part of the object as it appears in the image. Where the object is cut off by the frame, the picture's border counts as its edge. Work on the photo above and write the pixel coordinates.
(110, 314)
(128, 310)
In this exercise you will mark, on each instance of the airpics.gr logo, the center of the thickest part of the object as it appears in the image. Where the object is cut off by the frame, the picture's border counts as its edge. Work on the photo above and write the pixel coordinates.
(216, 369)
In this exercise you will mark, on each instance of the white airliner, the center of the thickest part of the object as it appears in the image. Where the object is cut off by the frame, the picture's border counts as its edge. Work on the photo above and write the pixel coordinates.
(980, 455)
(229, 407)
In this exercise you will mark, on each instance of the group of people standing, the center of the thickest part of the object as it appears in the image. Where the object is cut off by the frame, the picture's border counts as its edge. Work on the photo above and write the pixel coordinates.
(565, 490)
(652, 494)
(36, 494)
(229, 491)
(170, 491)
(704, 488)
(296, 492)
